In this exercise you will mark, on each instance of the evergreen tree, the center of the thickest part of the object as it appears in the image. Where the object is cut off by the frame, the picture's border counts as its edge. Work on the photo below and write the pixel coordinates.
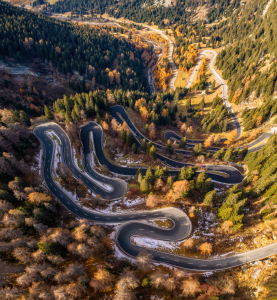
(48, 113)
(139, 171)
(202, 103)
(98, 119)
(197, 149)
(149, 145)
(143, 145)
(183, 142)
(209, 198)
(144, 186)
(228, 156)
(134, 148)
(219, 154)
(152, 153)
(107, 118)
(201, 178)
(169, 181)
(168, 147)
(129, 139)
(140, 178)
(149, 176)
(123, 135)
(188, 104)
(213, 85)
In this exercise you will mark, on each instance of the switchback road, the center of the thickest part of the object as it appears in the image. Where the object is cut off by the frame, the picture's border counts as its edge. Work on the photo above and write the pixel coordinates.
(130, 221)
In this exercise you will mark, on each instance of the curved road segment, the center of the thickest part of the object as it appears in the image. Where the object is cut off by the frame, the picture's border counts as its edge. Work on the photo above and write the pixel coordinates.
(233, 175)
(222, 83)
(130, 221)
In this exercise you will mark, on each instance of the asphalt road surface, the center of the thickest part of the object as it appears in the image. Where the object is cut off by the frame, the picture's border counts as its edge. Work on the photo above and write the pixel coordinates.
(130, 221)
(228, 106)
(191, 143)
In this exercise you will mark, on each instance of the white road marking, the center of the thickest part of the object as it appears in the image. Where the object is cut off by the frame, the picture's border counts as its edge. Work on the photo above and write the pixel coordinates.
(85, 214)
(141, 229)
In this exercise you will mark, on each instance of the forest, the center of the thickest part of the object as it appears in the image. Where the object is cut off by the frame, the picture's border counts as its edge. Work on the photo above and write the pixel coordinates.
(149, 11)
(248, 59)
(99, 56)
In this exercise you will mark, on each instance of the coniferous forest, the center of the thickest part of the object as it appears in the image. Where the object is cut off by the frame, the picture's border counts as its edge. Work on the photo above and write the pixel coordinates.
(111, 61)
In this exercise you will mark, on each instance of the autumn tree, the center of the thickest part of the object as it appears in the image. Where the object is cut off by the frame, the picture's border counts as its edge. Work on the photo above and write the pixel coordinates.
(206, 248)
(179, 189)
(38, 198)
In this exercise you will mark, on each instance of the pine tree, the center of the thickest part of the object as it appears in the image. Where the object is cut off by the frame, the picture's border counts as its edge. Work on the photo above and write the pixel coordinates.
(149, 145)
(228, 155)
(98, 119)
(123, 135)
(209, 198)
(143, 145)
(48, 113)
(140, 178)
(168, 147)
(219, 154)
(107, 118)
(134, 148)
(183, 142)
(197, 149)
(152, 153)
(144, 186)
(129, 139)
(201, 178)
(149, 175)
(202, 103)
(170, 181)
(213, 85)
(188, 104)
(139, 171)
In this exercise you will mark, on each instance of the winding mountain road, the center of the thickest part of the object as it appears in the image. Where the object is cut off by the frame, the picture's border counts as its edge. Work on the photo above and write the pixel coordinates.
(234, 175)
(130, 221)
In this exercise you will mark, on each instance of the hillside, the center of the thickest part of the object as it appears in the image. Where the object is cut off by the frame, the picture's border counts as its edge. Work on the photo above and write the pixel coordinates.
(138, 163)
(179, 12)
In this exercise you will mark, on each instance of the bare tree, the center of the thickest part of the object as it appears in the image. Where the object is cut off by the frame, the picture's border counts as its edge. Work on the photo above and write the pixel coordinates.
(27, 279)
(5, 207)
(60, 293)
(11, 293)
(48, 273)
(75, 290)
(157, 279)
(55, 259)
(22, 254)
(62, 277)
(40, 228)
(170, 283)
(190, 287)
(125, 285)
(84, 251)
(10, 233)
(62, 236)
(39, 256)
(102, 280)
(143, 260)
(75, 269)
(97, 231)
